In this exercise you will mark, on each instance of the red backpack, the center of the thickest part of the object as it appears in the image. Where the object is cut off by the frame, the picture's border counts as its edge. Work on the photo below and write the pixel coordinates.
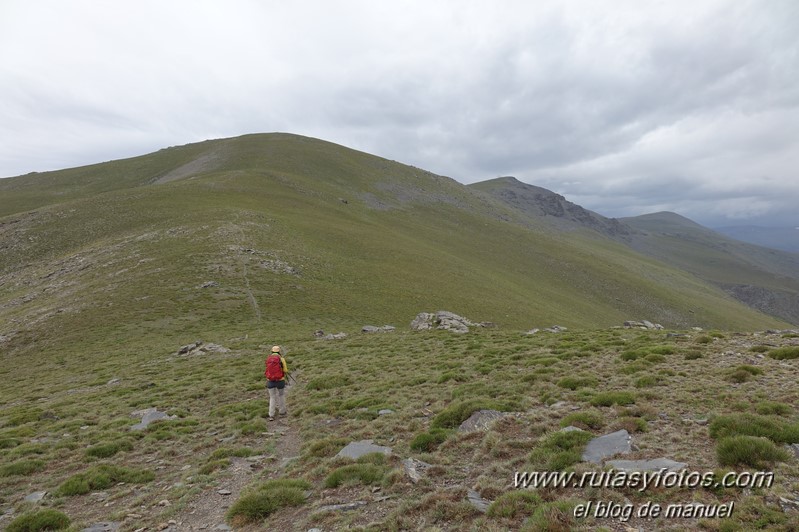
(274, 368)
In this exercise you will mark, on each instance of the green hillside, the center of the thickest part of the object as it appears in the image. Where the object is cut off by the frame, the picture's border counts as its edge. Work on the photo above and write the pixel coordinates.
(106, 271)
(300, 234)
(763, 278)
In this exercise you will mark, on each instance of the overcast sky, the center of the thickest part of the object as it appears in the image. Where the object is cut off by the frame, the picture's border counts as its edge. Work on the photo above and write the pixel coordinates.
(625, 107)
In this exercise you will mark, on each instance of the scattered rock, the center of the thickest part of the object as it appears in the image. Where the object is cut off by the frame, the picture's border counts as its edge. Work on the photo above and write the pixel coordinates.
(113, 381)
(598, 449)
(570, 428)
(319, 333)
(385, 412)
(164, 502)
(36, 496)
(357, 449)
(789, 505)
(148, 416)
(209, 284)
(646, 465)
(795, 449)
(481, 420)
(414, 468)
(480, 504)
(556, 329)
(373, 329)
(337, 336)
(224, 492)
(343, 507)
(532, 332)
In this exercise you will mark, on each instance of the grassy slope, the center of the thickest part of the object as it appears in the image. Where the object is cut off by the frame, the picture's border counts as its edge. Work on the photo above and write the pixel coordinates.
(129, 256)
(107, 286)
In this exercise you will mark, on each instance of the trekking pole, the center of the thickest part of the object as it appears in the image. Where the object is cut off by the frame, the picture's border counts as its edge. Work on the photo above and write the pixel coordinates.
(291, 378)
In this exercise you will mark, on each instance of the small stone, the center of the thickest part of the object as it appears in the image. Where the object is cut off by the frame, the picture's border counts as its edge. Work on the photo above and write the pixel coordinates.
(224, 492)
(477, 501)
(164, 503)
(385, 412)
(36, 496)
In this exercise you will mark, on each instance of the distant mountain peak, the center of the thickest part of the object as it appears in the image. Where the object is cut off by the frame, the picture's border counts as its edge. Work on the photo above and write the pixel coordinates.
(545, 204)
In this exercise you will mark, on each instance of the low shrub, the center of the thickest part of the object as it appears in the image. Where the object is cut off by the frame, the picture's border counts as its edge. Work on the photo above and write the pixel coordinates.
(365, 474)
(560, 450)
(101, 477)
(784, 353)
(775, 429)
(752, 451)
(21, 467)
(44, 519)
(613, 398)
(267, 498)
(106, 450)
(771, 408)
(427, 442)
(572, 383)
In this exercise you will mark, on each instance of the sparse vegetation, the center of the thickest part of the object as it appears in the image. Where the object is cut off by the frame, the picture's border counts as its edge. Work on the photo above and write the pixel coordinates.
(784, 353)
(39, 520)
(267, 498)
(613, 398)
(752, 451)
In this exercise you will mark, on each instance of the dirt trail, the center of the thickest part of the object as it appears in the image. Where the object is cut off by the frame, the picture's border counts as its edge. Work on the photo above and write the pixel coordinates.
(207, 511)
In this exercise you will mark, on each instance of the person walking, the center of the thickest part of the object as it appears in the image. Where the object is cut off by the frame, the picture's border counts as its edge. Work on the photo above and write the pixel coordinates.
(276, 378)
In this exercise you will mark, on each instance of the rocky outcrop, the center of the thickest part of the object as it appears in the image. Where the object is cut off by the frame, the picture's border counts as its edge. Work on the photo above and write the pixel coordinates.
(357, 449)
(481, 420)
(199, 348)
(598, 449)
(644, 324)
(445, 320)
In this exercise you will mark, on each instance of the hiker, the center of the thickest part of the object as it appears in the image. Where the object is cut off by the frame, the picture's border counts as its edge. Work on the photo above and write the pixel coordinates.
(276, 378)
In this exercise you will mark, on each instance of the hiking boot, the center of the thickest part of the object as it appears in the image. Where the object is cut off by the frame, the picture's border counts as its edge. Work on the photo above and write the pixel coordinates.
(270, 418)
(284, 413)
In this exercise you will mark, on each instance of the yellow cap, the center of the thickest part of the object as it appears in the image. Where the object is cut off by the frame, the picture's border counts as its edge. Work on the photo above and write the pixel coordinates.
(276, 349)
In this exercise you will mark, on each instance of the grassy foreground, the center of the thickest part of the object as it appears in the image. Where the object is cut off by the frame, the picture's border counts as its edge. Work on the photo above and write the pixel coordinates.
(716, 401)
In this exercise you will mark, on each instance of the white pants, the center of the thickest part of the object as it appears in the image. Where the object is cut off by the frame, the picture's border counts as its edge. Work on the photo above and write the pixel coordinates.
(277, 401)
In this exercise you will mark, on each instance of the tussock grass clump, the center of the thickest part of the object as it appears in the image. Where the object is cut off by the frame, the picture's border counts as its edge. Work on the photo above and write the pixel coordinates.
(213, 465)
(572, 383)
(21, 467)
(752, 451)
(773, 408)
(775, 429)
(743, 373)
(647, 381)
(427, 442)
(703, 339)
(560, 450)
(758, 348)
(555, 516)
(101, 477)
(693, 354)
(360, 473)
(583, 420)
(631, 424)
(44, 519)
(325, 447)
(106, 450)
(267, 498)
(514, 503)
(613, 398)
(784, 353)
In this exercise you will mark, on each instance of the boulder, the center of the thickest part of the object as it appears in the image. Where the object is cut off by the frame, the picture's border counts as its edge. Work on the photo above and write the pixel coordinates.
(423, 321)
(481, 420)
(36, 496)
(148, 416)
(337, 336)
(357, 449)
(598, 449)
(556, 329)
(479, 503)
(414, 468)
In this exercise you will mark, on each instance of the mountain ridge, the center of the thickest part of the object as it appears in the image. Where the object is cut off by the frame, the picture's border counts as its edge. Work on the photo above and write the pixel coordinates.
(298, 233)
